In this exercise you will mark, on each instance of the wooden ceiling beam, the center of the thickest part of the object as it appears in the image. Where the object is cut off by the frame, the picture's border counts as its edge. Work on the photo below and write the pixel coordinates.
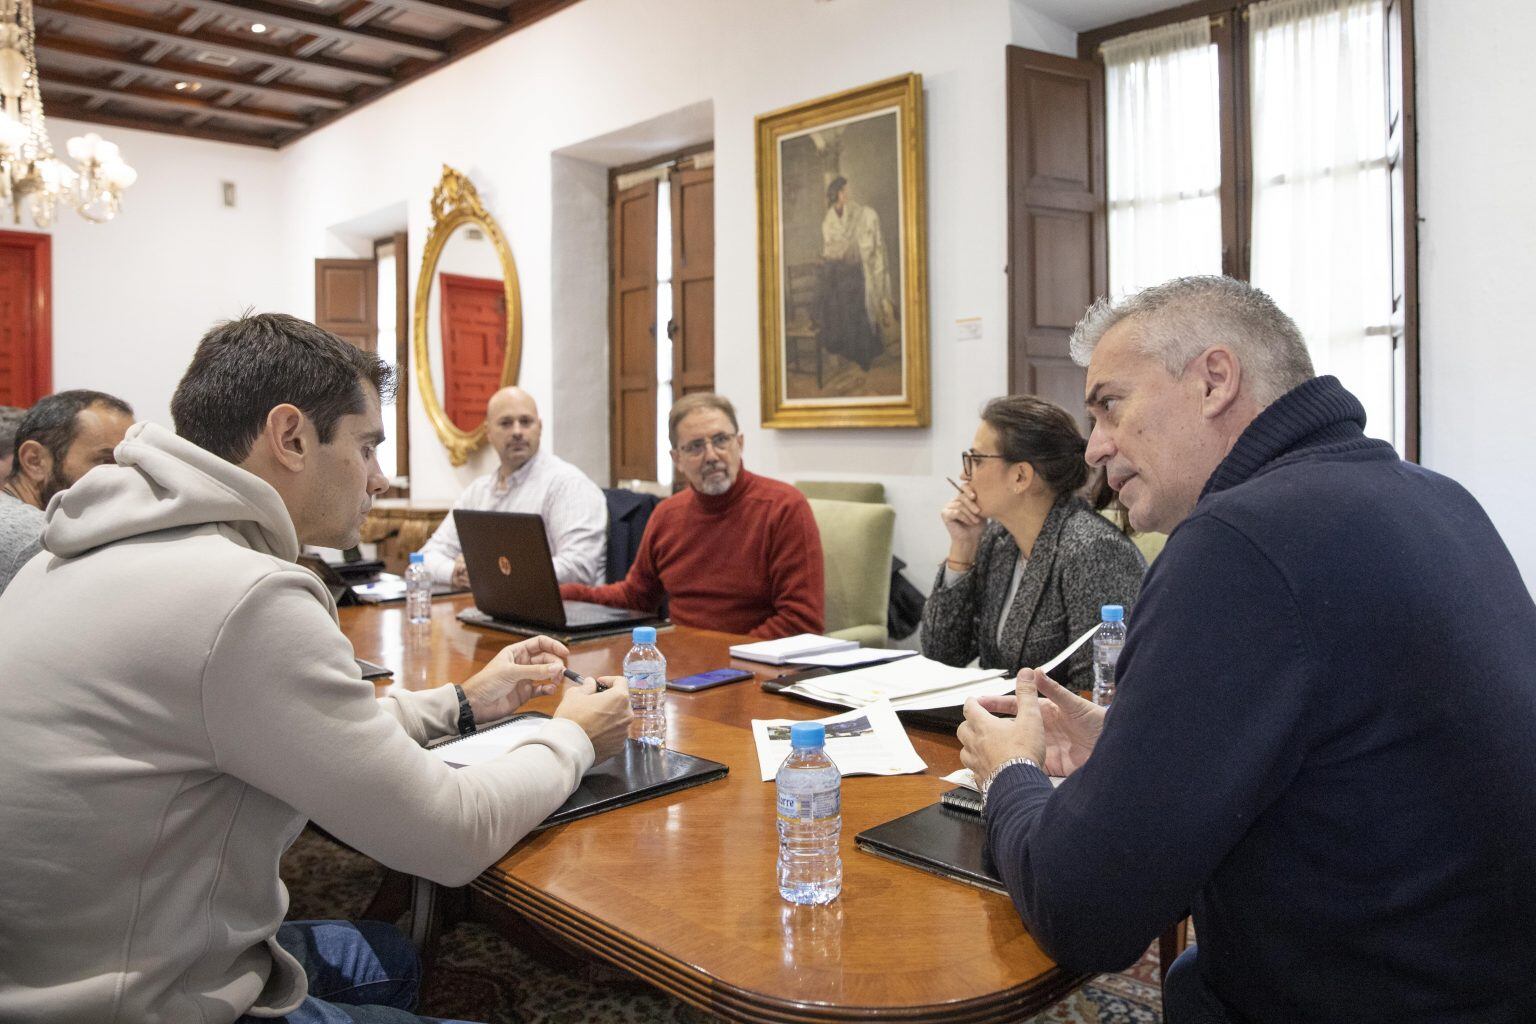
(485, 19)
(49, 44)
(68, 109)
(156, 30)
(173, 102)
(323, 25)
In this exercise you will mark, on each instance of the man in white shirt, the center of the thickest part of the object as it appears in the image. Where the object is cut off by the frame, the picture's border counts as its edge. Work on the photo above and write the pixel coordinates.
(528, 480)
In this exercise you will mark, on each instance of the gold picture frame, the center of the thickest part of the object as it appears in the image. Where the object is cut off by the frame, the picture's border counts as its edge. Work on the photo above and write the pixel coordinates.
(843, 298)
(455, 202)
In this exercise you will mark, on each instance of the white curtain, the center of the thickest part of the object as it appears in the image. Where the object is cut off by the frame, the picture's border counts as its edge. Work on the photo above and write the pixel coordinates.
(1164, 155)
(1321, 220)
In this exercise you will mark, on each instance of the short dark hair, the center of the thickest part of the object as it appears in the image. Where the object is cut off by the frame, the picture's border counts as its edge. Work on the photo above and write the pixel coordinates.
(694, 402)
(54, 422)
(10, 419)
(835, 186)
(1043, 434)
(244, 368)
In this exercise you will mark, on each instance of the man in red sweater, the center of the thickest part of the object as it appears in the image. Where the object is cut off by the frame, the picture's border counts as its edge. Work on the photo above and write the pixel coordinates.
(735, 551)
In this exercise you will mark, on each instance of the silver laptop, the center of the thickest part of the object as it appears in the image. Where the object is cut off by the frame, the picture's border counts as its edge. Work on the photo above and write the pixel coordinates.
(512, 577)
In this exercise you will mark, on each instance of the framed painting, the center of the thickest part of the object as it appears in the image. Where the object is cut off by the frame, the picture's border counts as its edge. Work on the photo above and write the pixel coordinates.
(842, 272)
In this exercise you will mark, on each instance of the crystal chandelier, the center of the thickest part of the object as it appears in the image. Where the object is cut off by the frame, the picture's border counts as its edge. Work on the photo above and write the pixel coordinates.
(29, 172)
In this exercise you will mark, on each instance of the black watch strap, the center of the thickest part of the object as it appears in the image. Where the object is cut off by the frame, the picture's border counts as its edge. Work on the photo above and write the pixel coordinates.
(466, 714)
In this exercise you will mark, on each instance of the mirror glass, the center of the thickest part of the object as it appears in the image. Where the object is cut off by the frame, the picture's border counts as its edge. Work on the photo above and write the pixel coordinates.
(466, 325)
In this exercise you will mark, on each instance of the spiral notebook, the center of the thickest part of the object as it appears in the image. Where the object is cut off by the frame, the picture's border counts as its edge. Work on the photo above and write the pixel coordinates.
(636, 773)
(948, 838)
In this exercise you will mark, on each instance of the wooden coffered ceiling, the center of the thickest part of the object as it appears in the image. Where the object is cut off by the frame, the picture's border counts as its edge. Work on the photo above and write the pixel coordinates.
(198, 67)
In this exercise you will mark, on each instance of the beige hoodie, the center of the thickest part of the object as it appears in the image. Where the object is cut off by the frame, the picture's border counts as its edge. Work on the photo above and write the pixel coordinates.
(175, 701)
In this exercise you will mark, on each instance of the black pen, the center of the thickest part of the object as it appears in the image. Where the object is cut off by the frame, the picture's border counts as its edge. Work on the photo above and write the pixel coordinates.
(579, 681)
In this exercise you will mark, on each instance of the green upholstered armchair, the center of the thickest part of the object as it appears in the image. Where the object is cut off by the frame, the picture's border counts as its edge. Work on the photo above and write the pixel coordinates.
(1149, 544)
(843, 490)
(856, 549)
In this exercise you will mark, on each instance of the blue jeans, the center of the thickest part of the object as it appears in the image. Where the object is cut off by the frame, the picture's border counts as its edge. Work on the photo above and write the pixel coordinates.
(363, 973)
(1186, 998)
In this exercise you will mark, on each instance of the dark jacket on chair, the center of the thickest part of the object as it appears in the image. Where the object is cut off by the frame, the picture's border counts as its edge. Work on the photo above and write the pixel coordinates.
(628, 512)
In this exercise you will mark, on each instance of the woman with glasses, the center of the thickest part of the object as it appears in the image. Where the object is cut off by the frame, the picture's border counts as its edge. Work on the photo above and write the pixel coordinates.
(1030, 562)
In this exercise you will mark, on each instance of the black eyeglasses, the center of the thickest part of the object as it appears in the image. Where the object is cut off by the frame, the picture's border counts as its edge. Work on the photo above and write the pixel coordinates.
(719, 442)
(968, 460)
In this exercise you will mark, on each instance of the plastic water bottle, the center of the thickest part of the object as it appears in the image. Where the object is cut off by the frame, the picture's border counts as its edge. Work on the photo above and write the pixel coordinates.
(810, 819)
(418, 591)
(645, 669)
(1106, 652)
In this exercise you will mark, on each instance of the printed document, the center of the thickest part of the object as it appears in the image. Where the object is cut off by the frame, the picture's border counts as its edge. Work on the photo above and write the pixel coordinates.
(865, 741)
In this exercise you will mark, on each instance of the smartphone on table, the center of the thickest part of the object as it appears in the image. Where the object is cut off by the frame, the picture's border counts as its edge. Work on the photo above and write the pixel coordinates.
(704, 680)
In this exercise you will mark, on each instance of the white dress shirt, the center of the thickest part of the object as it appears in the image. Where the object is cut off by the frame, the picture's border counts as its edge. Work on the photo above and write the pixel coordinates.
(574, 510)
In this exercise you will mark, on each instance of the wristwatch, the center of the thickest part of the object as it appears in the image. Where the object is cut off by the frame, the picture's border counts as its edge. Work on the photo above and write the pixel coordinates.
(466, 713)
(986, 784)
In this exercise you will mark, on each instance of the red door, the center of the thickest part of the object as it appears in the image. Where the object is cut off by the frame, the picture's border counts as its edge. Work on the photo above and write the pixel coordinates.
(26, 317)
(474, 345)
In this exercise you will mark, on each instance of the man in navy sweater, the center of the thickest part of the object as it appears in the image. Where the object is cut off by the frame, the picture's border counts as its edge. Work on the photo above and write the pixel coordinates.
(1324, 740)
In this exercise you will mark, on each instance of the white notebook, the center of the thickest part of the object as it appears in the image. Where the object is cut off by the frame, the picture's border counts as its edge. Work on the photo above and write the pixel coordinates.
(779, 652)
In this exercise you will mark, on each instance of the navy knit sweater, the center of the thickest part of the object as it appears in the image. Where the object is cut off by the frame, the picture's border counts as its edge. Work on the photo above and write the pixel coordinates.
(1324, 745)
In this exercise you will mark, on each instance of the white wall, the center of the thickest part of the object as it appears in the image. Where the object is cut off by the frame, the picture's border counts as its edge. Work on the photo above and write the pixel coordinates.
(132, 297)
(500, 114)
(1477, 204)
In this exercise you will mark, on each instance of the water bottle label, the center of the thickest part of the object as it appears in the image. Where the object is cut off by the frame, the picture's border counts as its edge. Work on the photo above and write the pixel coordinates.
(810, 806)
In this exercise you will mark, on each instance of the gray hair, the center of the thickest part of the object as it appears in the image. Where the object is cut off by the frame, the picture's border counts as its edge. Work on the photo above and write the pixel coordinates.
(1179, 319)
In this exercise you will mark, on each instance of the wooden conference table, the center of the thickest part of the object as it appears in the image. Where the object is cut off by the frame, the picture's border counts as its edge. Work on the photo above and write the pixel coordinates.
(681, 892)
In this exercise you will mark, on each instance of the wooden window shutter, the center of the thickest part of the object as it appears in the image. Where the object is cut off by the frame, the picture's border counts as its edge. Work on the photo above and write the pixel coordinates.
(1057, 218)
(1402, 148)
(346, 300)
(632, 413)
(693, 281)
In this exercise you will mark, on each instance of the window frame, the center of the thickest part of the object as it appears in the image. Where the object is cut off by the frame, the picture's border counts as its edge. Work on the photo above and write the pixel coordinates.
(1228, 17)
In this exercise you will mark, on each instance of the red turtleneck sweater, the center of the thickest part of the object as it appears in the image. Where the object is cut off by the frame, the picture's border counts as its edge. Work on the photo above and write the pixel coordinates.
(746, 561)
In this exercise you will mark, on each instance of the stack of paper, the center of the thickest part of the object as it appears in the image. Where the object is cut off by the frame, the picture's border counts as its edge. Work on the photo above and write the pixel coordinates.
(866, 741)
(791, 648)
(911, 684)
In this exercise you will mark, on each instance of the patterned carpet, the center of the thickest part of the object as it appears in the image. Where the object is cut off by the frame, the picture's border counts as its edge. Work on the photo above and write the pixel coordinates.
(481, 976)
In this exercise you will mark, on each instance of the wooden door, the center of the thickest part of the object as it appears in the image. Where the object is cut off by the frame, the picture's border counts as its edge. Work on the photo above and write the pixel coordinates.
(26, 317)
(693, 281)
(1057, 218)
(346, 300)
(632, 413)
(474, 331)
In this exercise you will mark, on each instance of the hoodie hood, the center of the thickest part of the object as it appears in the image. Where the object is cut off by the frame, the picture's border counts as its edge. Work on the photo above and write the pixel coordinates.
(164, 482)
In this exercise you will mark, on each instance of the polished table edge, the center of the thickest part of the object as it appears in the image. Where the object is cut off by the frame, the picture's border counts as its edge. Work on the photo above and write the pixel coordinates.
(700, 989)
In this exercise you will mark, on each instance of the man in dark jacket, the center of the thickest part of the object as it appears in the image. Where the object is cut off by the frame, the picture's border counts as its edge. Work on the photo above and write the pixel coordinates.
(1324, 742)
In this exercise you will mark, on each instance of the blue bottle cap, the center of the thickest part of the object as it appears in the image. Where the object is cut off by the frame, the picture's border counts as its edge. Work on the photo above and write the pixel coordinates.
(644, 635)
(417, 557)
(803, 735)
(1112, 613)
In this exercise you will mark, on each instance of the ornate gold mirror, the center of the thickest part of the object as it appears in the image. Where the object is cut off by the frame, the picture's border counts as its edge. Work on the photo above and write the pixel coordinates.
(467, 336)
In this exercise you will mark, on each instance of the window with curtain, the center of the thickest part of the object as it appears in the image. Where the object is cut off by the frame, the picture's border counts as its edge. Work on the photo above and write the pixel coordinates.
(1263, 138)
(1321, 231)
(1162, 127)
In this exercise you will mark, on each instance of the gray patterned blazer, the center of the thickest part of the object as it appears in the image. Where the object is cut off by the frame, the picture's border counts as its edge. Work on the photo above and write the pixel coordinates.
(1080, 562)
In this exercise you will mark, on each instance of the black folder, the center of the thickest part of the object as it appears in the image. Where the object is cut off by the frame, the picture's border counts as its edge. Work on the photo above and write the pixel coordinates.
(943, 839)
(638, 772)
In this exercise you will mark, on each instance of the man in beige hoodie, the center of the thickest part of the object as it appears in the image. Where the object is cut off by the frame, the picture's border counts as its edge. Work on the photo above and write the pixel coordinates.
(176, 700)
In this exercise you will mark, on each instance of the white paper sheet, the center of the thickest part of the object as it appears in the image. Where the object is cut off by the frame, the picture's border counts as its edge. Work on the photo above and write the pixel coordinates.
(857, 656)
(491, 743)
(965, 777)
(870, 741)
(892, 680)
